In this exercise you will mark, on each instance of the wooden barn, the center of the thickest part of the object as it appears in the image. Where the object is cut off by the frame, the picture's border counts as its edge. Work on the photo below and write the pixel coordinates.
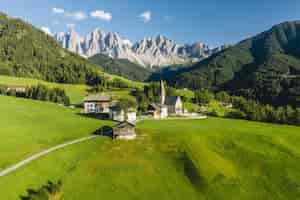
(124, 130)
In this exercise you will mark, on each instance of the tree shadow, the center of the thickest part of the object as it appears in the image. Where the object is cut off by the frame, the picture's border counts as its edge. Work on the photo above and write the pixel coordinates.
(100, 116)
(192, 173)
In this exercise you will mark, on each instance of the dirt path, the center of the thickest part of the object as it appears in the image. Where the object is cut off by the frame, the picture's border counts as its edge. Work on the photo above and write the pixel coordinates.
(43, 153)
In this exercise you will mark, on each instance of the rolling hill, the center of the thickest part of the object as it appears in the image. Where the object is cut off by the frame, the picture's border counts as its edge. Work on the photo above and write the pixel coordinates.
(32, 126)
(26, 51)
(121, 67)
(173, 159)
(265, 67)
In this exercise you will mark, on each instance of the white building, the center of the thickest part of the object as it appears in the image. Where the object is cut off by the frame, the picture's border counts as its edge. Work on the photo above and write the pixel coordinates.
(174, 105)
(97, 104)
(131, 116)
(168, 105)
(118, 114)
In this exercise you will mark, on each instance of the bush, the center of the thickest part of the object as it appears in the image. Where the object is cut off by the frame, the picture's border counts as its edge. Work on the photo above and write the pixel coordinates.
(46, 192)
(236, 114)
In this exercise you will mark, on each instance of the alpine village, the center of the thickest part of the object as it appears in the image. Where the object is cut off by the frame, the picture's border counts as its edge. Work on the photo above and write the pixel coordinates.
(100, 117)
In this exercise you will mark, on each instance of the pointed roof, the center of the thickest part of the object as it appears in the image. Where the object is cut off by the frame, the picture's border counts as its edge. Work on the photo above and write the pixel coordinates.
(97, 98)
(171, 100)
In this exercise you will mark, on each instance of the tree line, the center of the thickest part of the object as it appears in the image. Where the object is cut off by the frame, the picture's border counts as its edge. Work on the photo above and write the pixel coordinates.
(249, 109)
(39, 92)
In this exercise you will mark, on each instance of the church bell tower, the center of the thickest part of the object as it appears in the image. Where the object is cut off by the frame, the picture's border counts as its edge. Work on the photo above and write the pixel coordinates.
(162, 93)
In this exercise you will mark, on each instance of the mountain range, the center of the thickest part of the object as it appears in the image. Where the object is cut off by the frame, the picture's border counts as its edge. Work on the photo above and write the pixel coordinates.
(156, 51)
(265, 67)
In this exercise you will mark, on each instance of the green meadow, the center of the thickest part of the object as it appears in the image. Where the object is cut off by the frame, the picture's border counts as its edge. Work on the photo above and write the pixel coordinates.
(28, 127)
(75, 92)
(174, 159)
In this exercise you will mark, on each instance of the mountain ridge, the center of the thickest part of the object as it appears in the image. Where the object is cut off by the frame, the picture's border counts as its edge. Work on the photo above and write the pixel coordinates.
(265, 67)
(148, 52)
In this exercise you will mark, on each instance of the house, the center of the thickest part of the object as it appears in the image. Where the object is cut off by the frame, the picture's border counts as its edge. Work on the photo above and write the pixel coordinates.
(131, 115)
(158, 111)
(174, 105)
(124, 130)
(16, 88)
(118, 114)
(97, 104)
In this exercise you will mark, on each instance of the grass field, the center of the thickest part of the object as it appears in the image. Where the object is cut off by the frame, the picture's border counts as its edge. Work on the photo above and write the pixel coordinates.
(27, 127)
(75, 92)
(172, 159)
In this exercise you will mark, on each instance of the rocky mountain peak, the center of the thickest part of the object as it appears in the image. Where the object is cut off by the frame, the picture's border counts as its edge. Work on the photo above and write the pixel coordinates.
(153, 51)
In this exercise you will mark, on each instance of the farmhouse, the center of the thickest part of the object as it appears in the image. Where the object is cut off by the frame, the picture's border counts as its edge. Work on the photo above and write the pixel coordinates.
(16, 88)
(118, 114)
(97, 104)
(124, 130)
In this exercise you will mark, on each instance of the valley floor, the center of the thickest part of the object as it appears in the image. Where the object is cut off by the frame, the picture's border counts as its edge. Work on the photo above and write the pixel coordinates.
(173, 159)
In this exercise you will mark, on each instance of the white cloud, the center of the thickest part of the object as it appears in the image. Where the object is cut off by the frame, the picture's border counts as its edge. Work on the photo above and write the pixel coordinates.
(58, 10)
(146, 16)
(100, 14)
(46, 30)
(77, 15)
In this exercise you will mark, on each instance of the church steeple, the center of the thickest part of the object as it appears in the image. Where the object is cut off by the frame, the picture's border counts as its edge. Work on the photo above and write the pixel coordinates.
(162, 93)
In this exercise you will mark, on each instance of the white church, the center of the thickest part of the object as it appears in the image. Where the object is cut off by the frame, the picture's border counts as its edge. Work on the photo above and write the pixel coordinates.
(171, 105)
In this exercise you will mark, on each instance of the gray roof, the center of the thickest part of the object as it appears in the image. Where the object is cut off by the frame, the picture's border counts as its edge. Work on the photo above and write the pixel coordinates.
(124, 124)
(157, 106)
(98, 98)
(115, 108)
(171, 100)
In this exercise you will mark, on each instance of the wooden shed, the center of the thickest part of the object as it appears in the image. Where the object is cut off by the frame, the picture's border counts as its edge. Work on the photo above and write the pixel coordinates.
(124, 130)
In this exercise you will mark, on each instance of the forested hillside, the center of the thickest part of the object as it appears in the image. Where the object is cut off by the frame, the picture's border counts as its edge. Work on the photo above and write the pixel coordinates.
(121, 67)
(28, 52)
(265, 67)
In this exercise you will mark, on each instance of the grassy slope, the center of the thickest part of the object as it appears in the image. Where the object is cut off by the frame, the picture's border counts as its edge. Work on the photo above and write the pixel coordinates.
(76, 92)
(27, 127)
(225, 159)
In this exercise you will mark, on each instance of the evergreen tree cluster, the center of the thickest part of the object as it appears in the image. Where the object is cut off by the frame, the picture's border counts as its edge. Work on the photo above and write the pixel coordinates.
(39, 92)
(265, 68)
(26, 51)
(250, 109)
(121, 67)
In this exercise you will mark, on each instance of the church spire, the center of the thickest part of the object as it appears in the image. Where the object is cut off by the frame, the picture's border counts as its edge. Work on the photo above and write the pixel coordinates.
(162, 93)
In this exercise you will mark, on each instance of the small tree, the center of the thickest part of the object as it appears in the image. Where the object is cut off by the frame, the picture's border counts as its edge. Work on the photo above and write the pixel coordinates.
(127, 103)
(203, 96)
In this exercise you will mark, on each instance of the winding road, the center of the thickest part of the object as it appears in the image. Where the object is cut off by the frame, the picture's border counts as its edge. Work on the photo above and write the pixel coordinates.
(43, 153)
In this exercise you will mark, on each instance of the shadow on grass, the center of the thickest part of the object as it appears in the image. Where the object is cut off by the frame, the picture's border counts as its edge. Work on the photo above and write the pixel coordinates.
(192, 173)
(100, 116)
(106, 131)
(48, 191)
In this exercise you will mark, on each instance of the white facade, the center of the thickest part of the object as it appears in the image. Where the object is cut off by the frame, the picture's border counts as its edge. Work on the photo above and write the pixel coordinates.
(90, 107)
(164, 112)
(117, 115)
(94, 107)
(131, 116)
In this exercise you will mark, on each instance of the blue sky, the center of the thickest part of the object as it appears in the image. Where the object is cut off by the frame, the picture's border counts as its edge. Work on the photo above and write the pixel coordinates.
(212, 21)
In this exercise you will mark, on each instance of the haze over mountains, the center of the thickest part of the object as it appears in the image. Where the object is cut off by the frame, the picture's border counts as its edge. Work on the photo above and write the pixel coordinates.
(155, 51)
